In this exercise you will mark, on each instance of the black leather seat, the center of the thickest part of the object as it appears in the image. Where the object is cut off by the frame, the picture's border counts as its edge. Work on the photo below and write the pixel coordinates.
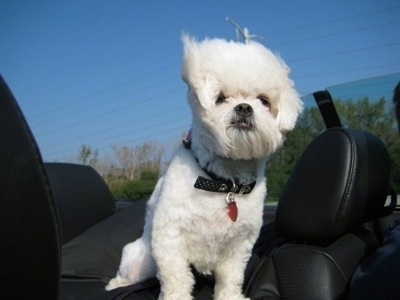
(60, 234)
(29, 232)
(339, 183)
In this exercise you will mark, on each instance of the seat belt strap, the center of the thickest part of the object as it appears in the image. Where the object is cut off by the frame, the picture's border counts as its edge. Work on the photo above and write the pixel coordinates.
(327, 109)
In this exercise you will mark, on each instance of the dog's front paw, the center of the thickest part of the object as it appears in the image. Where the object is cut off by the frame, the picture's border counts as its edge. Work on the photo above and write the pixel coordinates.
(117, 282)
(175, 296)
(224, 296)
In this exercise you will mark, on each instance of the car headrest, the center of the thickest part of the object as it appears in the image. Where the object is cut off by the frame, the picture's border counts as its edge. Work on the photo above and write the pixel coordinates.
(340, 181)
(81, 196)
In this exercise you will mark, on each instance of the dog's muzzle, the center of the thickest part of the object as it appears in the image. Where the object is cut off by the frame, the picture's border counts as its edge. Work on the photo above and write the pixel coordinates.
(243, 118)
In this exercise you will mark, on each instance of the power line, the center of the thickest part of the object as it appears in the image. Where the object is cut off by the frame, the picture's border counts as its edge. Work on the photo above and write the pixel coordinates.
(102, 103)
(314, 25)
(105, 90)
(111, 111)
(346, 71)
(343, 52)
(124, 125)
(335, 34)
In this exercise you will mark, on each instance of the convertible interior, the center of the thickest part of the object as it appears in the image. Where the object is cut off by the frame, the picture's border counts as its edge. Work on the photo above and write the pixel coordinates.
(62, 232)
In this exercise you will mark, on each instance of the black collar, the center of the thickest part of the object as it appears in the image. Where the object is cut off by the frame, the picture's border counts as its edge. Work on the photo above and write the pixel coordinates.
(216, 183)
(224, 186)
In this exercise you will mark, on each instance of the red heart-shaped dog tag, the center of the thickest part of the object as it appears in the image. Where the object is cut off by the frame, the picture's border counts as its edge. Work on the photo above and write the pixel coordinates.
(232, 211)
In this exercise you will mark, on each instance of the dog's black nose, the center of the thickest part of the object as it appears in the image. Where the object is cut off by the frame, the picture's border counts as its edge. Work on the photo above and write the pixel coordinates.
(243, 110)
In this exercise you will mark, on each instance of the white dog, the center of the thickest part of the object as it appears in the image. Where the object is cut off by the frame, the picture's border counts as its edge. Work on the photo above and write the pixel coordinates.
(206, 211)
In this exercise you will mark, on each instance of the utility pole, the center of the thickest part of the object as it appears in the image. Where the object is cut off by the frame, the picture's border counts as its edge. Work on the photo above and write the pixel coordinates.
(244, 32)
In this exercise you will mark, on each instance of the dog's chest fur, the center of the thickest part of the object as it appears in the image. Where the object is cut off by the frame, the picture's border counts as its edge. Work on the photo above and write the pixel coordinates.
(199, 219)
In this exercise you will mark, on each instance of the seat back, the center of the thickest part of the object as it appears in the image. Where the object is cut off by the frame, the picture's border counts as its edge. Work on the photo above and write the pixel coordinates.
(81, 196)
(340, 181)
(29, 233)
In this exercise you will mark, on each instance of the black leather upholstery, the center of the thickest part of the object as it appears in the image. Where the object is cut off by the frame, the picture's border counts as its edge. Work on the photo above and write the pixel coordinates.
(31, 192)
(29, 233)
(340, 181)
(81, 196)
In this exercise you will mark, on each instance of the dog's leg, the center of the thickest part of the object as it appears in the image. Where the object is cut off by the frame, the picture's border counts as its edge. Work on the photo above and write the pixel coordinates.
(176, 279)
(229, 276)
(137, 264)
(173, 267)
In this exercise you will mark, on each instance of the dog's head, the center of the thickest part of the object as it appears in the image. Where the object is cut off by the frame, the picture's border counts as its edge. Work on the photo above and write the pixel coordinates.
(241, 97)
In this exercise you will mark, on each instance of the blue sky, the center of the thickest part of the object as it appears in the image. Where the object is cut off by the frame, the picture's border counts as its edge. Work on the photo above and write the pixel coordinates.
(108, 72)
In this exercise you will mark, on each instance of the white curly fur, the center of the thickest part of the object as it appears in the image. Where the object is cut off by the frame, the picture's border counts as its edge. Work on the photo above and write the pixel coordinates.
(187, 227)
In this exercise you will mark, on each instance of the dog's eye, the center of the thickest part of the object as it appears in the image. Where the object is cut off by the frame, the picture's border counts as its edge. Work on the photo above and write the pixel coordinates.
(265, 101)
(220, 99)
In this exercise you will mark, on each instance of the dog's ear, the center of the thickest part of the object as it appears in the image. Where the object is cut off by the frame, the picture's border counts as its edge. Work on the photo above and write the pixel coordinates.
(192, 70)
(289, 105)
(289, 108)
(189, 61)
